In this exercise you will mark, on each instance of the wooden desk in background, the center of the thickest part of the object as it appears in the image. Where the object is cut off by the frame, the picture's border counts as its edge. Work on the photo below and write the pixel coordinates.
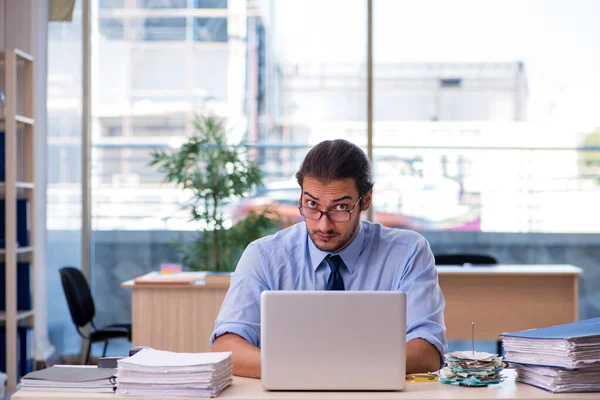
(250, 389)
(498, 299)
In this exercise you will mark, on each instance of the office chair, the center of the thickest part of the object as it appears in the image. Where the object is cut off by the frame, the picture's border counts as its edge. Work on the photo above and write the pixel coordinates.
(464, 258)
(81, 307)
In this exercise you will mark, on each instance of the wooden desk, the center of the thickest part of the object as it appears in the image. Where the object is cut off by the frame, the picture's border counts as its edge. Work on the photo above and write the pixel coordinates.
(507, 298)
(498, 299)
(247, 389)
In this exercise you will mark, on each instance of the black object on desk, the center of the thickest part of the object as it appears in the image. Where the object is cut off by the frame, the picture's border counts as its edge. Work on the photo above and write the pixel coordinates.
(464, 259)
(136, 349)
(108, 362)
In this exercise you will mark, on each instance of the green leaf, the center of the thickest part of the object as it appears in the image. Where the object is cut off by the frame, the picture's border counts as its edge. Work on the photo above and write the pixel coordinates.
(216, 173)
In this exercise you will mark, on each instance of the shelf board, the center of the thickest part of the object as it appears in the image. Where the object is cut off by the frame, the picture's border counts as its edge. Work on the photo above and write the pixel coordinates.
(19, 185)
(25, 185)
(21, 119)
(20, 315)
(25, 120)
(20, 250)
(21, 54)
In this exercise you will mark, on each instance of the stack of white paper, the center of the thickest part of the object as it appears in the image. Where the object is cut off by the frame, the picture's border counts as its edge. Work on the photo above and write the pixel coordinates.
(565, 353)
(152, 372)
(561, 358)
(559, 379)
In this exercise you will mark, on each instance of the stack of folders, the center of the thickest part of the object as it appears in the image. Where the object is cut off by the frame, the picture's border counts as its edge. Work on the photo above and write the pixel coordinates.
(561, 358)
(152, 372)
(70, 378)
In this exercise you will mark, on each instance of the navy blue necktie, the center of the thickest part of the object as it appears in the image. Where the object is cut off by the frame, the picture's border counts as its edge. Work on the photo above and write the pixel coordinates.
(335, 281)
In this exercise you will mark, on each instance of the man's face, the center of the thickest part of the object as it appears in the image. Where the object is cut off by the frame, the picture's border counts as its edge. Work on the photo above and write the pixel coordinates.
(327, 196)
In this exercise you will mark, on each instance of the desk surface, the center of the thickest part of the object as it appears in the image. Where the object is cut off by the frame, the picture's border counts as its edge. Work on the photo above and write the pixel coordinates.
(246, 389)
(501, 269)
(510, 269)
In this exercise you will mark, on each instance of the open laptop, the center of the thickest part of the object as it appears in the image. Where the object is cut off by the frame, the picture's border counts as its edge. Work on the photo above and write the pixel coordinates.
(333, 340)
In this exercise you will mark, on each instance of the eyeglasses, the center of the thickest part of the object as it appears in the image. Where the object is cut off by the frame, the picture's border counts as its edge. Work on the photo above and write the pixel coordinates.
(333, 215)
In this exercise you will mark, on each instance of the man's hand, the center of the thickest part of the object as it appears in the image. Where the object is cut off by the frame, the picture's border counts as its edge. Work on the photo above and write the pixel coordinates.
(245, 357)
(421, 356)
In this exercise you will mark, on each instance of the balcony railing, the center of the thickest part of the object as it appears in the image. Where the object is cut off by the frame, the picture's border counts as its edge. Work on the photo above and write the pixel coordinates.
(494, 189)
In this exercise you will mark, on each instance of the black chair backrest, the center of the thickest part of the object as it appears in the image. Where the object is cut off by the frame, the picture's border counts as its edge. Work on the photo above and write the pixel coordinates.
(78, 294)
(460, 259)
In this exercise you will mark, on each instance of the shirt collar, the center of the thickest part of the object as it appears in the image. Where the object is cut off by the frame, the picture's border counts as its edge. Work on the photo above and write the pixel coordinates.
(349, 254)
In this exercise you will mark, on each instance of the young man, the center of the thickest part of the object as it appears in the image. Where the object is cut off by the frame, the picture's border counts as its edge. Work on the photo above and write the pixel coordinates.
(334, 250)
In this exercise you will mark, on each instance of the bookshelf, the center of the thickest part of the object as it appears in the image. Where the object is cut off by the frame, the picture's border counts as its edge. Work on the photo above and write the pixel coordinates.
(17, 184)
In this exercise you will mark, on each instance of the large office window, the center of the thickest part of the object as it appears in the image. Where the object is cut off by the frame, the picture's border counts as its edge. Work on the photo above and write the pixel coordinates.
(156, 65)
(307, 77)
(64, 172)
(482, 114)
(481, 110)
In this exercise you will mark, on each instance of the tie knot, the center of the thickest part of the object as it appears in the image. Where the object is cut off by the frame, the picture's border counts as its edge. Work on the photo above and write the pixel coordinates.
(335, 262)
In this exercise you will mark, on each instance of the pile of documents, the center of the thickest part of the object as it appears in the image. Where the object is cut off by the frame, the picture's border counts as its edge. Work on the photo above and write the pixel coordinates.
(472, 368)
(152, 372)
(71, 378)
(560, 380)
(561, 358)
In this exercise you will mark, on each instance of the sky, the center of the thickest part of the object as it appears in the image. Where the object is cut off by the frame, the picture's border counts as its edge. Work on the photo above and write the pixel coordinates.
(557, 40)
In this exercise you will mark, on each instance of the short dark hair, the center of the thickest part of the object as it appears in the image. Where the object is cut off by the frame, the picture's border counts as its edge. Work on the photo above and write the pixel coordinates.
(338, 159)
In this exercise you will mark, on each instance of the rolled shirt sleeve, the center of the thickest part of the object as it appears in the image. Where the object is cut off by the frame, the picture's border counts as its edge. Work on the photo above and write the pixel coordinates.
(424, 300)
(240, 311)
(407, 254)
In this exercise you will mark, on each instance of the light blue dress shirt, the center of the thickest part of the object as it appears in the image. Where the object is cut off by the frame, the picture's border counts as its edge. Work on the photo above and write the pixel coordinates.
(378, 258)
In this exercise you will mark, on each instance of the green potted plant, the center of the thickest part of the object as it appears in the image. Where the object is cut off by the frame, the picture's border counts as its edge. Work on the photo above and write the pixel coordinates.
(215, 173)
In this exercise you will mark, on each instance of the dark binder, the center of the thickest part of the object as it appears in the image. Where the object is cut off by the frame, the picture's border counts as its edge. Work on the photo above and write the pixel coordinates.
(73, 374)
(23, 223)
(2, 160)
(24, 302)
(66, 378)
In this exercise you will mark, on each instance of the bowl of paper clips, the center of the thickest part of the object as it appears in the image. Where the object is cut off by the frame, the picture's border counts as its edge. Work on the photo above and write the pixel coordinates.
(472, 368)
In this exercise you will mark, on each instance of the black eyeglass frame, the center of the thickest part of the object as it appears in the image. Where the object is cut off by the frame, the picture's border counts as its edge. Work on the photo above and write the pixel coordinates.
(327, 213)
